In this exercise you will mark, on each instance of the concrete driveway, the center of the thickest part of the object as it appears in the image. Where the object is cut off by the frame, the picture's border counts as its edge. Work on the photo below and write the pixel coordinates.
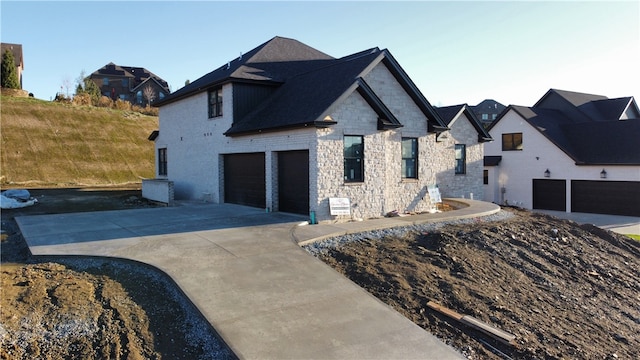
(264, 295)
(616, 223)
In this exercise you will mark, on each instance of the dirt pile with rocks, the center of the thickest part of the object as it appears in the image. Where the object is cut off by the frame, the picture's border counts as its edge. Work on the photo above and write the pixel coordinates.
(564, 290)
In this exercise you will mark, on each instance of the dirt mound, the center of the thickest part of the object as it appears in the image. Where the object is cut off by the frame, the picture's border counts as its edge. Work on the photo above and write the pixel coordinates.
(50, 312)
(564, 290)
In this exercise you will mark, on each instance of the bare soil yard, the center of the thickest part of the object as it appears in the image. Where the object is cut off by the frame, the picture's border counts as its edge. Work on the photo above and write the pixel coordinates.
(93, 308)
(567, 291)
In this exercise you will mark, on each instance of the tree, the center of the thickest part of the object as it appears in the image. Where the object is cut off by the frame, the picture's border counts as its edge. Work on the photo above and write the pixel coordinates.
(149, 94)
(9, 73)
(86, 86)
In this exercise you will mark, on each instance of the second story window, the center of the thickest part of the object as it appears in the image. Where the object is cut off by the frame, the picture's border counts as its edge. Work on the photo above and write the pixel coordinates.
(125, 83)
(511, 141)
(353, 159)
(215, 103)
(409, 158)
(105, 81)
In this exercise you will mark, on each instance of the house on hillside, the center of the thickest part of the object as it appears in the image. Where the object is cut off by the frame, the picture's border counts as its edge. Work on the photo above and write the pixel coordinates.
(16, 49)
(466, 138)
(286, 127)
(487, 111)
(129, 83)
(570, 152)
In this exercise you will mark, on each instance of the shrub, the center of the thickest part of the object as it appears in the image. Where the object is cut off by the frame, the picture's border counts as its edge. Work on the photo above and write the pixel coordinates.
(82, 99)
(122, 105)
(105, 101)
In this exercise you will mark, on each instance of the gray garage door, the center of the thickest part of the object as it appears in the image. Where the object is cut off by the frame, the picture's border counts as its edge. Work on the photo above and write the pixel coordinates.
(606, 197)
(293, 181)
(244, 179)
(549, 194)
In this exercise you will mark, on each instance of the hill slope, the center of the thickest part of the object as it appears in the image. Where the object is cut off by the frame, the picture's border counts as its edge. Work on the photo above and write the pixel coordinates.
(54, 144)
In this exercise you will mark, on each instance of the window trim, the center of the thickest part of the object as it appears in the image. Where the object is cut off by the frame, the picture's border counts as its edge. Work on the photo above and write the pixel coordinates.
(414, 157)
(360, 158)
(515, 146)
(162, 162)
(215, 108)
(463, 159)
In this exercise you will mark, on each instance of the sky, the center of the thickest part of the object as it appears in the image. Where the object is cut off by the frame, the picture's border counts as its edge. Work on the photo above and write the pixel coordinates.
(455, 52)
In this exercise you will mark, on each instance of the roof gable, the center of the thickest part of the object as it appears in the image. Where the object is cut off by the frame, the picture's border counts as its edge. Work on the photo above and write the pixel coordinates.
(450, 114)
(16, 50)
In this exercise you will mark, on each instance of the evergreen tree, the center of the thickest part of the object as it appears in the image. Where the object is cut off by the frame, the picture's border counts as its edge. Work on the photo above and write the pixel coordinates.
(9, 73)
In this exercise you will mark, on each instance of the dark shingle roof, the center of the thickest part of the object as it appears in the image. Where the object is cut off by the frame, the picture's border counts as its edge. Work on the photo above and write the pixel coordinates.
(308, 83)
(273, 61)
(449, 113)
(302, 99)
(587, 143)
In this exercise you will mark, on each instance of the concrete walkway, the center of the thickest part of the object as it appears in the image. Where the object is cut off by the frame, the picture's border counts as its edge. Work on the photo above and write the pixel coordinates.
(242, 268)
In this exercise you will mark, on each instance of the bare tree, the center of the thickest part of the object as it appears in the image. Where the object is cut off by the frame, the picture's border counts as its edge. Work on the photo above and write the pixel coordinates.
(66, 83)
(149, 94)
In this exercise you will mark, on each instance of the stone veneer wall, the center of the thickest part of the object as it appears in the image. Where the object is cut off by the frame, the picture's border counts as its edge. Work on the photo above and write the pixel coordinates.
(383, 189)
(463, 185)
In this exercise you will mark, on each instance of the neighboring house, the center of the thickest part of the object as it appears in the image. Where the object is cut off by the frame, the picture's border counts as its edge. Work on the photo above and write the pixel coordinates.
(286, 127)
(129, 83)
(16, 49)
(487, 111)
(466, 138)
(570, 152)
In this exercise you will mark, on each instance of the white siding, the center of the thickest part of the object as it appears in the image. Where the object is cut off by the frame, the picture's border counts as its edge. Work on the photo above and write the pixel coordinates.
(517, 170)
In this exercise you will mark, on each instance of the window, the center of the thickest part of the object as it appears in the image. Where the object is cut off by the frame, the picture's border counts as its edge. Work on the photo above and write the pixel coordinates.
(494, 116)
(125, 83)
(409, 158)
(215, 103)
(512, 141)
(105, 81)
(123, 97)
(485, 177)
(353, 159)
(461, 159)
(139, 97)
(161, 95)
(162, 162)
(485, 116)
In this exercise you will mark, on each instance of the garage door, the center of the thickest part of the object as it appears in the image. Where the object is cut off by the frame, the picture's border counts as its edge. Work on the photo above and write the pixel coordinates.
(293, 181)
(244, 179)
(606, 197)
(549, 194)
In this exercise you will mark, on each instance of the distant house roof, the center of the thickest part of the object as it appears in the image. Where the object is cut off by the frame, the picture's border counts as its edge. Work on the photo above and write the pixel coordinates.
(16, 49)
(591, 129)
(139, 75)
(451, 113)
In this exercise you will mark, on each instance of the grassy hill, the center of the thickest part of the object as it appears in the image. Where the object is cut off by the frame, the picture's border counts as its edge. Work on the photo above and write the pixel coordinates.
(47, 144)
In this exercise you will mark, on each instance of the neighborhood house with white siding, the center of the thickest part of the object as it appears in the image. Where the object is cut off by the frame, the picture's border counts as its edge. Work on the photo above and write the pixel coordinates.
(286, 127)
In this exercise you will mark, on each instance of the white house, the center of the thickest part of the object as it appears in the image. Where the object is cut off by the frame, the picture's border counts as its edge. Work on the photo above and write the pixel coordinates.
(286, 127)
(570, 152)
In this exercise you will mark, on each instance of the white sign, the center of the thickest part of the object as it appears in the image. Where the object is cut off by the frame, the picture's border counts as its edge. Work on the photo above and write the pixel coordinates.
(340, 206)
(434, 193)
